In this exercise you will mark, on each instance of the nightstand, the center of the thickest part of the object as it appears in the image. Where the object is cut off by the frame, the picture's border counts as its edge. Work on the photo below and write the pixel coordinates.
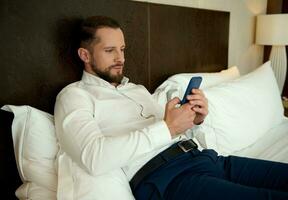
(285, 105)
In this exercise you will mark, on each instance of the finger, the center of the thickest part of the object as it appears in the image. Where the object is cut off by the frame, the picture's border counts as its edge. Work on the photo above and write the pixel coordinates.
(195, 96)
(195, 99)
(172, 103)
(200, 103)
(200, 110)
(187, 106)
(197, 91)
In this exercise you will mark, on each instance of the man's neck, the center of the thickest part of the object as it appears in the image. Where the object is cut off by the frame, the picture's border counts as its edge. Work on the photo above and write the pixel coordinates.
(115, 84)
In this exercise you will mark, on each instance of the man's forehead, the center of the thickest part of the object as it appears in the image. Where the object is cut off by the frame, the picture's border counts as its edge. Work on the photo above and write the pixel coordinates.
(109, 35)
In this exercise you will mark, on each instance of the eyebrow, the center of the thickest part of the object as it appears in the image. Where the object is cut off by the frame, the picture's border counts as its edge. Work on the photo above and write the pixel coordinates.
(113, 47)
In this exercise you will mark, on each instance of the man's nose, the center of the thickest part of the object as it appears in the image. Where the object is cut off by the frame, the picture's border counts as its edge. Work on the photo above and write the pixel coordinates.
(119, 57)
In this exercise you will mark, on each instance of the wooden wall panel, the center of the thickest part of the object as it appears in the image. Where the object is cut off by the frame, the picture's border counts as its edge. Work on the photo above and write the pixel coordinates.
(37, 51)
(285, 89)
(200, 41)
(8, 167)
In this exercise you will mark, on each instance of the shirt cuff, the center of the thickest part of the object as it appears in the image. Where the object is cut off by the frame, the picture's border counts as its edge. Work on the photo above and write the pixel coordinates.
(159, 134)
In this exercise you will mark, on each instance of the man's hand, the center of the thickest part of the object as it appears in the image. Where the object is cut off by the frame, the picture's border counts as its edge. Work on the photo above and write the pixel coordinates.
(178, 119)
(199, 104)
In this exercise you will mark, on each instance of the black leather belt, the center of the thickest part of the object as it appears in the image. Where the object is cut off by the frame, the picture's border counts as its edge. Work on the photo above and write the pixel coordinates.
(163, 157)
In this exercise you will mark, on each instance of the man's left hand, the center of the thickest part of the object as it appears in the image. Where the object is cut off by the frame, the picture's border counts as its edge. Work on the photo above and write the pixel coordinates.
(200, 105)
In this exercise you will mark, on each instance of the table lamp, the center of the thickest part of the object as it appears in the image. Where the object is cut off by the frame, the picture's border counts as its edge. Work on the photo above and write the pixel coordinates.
(273, 30)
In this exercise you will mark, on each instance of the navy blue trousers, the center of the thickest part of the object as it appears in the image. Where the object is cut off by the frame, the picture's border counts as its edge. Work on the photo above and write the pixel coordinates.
(204, 175)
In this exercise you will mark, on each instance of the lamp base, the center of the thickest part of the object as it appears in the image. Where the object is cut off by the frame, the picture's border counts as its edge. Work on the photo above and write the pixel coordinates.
(279, 64)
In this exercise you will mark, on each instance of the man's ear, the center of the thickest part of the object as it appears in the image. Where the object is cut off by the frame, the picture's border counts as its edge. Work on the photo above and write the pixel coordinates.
(84, 55)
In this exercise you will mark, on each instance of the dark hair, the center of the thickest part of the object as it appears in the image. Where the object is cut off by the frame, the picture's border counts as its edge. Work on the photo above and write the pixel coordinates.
(91, 24)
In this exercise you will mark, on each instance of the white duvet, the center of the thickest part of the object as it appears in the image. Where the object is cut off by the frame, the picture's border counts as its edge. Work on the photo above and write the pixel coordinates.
(271, 146)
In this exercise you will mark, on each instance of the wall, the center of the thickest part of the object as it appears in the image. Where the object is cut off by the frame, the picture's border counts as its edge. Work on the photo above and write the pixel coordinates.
(242, 50)
(41, 58)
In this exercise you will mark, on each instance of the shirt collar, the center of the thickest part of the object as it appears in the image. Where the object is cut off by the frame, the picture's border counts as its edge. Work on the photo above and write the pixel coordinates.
(95, 80)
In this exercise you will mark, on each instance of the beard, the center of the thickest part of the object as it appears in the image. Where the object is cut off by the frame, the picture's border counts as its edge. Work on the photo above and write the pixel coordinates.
(107, 75)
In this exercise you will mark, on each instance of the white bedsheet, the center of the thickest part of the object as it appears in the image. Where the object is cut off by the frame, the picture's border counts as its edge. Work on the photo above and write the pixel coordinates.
(272, 146)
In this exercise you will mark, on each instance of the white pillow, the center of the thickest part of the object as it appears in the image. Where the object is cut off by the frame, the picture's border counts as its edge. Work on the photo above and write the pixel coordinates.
(176, 85)
(35, 146)
(241, 111)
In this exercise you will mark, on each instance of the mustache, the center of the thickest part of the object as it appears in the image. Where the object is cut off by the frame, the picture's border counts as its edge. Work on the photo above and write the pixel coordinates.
(117, 65)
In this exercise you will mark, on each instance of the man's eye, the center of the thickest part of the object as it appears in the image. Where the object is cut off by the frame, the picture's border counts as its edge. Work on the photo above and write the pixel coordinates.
(122, 50)
(108, 50)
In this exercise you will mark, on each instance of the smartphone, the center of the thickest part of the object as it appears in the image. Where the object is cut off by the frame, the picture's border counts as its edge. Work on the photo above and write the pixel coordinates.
(194, 83)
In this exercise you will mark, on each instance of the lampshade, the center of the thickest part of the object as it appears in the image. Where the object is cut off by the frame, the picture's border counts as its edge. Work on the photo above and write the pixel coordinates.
(272, 29)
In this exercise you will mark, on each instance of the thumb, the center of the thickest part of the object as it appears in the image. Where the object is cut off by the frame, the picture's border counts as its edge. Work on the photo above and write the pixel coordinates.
(172, 103)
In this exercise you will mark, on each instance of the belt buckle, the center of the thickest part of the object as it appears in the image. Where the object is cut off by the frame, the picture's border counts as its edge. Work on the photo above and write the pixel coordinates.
(187, 145)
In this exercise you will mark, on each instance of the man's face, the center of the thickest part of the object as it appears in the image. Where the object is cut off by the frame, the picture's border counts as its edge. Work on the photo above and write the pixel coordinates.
(107, 55)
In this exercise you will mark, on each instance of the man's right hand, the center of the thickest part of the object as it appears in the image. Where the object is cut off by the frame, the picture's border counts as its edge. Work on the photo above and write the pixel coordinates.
(178, 119)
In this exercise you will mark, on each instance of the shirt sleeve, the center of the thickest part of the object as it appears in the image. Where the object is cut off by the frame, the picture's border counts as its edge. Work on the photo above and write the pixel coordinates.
(166, 92)
(80, 135)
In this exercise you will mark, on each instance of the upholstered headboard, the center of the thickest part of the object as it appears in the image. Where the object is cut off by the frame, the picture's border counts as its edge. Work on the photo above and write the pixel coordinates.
(38, 56)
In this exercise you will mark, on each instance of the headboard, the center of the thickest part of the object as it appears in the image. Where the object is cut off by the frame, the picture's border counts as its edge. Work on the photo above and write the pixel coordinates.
(38, 56)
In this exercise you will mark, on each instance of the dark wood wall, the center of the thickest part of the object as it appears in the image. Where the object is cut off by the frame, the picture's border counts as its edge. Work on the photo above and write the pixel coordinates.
(276, 7)
(185, 40)
(38, 44)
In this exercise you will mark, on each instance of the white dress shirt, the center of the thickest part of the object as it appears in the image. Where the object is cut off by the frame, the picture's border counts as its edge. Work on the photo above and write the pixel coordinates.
(103, 129)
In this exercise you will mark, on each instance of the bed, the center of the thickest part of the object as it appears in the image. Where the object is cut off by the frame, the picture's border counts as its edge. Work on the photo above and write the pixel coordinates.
(39, 61)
